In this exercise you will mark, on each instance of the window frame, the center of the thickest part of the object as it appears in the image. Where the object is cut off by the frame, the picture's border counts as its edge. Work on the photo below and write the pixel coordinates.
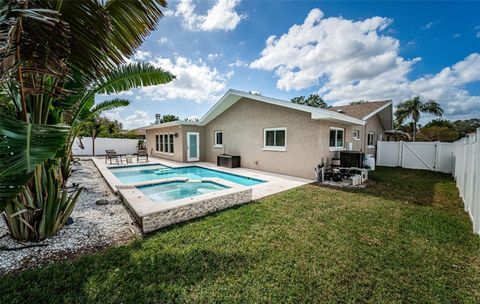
(164, 143)
(373, 140)
(160, 142)
(215, 143)
(274, 147)
(336, 147)
(358, 134)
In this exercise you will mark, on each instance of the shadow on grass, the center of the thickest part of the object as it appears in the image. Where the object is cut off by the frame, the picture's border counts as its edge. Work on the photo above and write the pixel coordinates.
(127, 274)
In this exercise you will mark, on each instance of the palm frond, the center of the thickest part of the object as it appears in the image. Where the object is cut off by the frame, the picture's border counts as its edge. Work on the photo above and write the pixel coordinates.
(109, 105)
(132, 21)
(130, 76)
(23, 145)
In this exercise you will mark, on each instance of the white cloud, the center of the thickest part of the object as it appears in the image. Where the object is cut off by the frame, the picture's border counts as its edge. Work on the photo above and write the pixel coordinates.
(137, 120)
(354, 60)
(222, 16)
(163, 40)
(238, 63)
(141, 55)
(195, 81)
(213, 56)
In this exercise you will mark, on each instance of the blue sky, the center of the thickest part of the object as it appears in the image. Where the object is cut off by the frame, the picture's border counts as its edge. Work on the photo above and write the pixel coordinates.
(344, 51)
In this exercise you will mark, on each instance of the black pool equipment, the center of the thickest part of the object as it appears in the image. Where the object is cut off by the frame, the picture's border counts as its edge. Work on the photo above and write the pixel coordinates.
(352, 159)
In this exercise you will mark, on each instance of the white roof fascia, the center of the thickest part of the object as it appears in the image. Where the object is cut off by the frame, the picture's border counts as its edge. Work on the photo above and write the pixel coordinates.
(378, 110)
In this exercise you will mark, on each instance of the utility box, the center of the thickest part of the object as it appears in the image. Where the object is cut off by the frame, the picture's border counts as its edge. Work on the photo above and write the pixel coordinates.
(352, 159)
(228, 161)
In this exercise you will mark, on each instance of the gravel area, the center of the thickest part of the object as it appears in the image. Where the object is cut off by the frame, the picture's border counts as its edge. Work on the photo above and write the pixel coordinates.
(96, 225)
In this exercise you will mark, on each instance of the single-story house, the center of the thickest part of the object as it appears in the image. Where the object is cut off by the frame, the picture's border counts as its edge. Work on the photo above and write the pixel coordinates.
(270, 134)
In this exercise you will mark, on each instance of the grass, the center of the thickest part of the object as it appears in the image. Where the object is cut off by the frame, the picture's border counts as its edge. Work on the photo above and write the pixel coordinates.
(405, 238)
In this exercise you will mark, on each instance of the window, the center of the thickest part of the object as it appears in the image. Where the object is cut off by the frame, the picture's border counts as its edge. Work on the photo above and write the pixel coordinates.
(218, 139)
(356, 135)
(336, 138)
(170, 136)
(371, 139)
(164, 142)
(275, 139)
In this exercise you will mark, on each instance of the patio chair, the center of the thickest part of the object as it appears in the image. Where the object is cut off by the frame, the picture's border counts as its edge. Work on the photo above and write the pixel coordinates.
(142, 154)
(111, 154)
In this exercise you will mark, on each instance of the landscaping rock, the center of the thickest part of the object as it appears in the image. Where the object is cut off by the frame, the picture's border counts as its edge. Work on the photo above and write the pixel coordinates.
(102, 202)
(95, 227)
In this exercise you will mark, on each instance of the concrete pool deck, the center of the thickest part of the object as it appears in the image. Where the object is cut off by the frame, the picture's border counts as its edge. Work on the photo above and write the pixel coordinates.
(274, 183)
(151, 215)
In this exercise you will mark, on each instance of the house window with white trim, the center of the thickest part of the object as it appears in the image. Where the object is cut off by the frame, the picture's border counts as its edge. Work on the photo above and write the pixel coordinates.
(371, 139)
(164, 142)
(170, 142)
(356, 135)
(218, 139)
(337, 136)
(275, 139)
(161, 143)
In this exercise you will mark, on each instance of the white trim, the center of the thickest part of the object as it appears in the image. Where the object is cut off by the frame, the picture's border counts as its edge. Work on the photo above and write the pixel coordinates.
(232, 96)
(215, 145)
(370, 146)
(274, 148)
(353, 134)
(188, 146)
(378, 110)
(335, 148)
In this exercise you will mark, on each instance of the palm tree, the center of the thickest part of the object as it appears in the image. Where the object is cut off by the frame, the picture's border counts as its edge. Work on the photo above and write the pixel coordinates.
(412, 108)
(54, 57)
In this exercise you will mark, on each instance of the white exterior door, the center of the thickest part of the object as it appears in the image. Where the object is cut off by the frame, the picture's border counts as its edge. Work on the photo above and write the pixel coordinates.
(193, 146)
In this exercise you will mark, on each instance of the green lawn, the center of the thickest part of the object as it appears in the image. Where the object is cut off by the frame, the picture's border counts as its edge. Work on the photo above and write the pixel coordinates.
(403, 239)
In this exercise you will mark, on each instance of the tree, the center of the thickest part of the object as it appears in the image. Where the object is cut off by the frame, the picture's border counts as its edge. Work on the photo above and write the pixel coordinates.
(169, 118)
(55, 56)
(440, 123)
(313, 100)
(354, 103)
(412, 108)
(437, 133)
(463, 127)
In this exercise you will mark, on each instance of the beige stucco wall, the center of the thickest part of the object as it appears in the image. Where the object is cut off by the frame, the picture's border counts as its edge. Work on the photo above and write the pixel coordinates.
(177, 143)
(373, 125)
(243, 130)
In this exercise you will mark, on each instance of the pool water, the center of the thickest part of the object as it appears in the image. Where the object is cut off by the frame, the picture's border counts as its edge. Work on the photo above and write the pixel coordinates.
(171, 191)
(136, 174)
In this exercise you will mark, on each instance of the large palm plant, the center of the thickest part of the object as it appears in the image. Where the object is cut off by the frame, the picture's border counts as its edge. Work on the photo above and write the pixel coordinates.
(54, 57)
(412, 108)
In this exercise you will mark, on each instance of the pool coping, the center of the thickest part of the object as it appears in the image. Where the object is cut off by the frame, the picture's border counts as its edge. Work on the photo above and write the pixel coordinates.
(151, 215)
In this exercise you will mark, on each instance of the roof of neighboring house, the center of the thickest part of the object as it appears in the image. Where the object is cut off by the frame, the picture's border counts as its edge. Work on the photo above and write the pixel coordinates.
(363, 110)
(355, 115)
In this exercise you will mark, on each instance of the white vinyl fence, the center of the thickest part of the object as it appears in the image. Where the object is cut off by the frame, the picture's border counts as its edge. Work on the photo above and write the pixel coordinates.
(120, 145)
(434, 156)
(466, 153)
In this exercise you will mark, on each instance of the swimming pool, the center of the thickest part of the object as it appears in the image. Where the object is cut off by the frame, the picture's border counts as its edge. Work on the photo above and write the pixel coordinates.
(170, 191)
(136, 174)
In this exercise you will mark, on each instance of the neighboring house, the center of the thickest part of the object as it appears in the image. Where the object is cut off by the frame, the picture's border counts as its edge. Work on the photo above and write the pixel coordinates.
(270, 134)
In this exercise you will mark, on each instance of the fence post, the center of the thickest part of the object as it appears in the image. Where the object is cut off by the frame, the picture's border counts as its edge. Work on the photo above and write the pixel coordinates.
(400, 156)
(476, 182)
